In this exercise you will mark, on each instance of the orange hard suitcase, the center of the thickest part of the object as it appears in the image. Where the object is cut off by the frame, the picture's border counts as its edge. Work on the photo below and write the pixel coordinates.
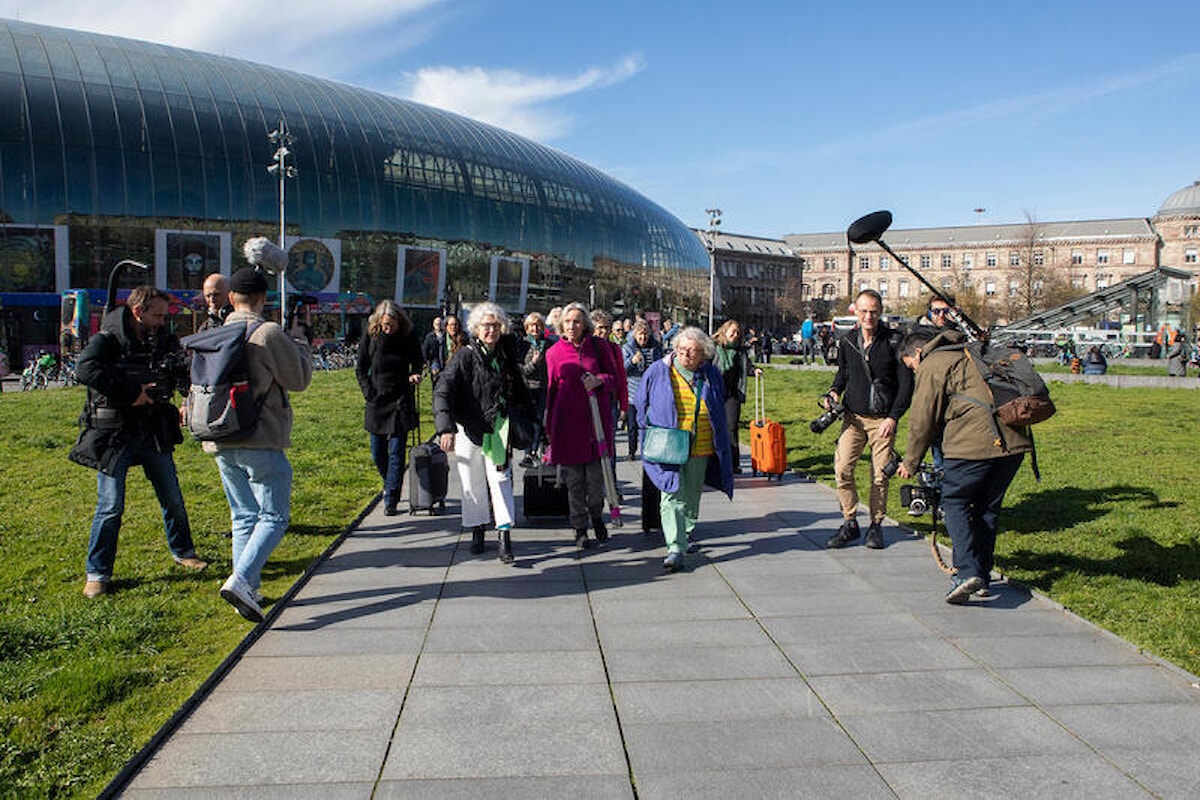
(768, 442)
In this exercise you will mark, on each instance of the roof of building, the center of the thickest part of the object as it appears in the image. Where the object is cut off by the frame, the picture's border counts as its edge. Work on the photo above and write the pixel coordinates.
(738, 243)
(1183, 201)
(987, 235)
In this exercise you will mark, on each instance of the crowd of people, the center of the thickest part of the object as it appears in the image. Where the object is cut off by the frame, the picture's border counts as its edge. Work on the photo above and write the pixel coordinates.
(550, 389)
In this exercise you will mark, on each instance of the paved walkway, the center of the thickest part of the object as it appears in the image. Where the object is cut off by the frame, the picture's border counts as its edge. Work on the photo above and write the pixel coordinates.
(407, 668)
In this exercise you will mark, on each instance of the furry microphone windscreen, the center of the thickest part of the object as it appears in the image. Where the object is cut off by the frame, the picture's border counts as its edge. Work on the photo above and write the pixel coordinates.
(262, 252)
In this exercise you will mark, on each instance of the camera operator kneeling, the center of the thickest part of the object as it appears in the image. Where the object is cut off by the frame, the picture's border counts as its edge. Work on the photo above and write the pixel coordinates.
(132, 368)
(951, 400)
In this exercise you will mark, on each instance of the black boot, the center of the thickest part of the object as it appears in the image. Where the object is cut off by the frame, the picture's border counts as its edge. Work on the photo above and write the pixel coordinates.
(506, 553)
(598, 527)
(477, 540)
(581, 539)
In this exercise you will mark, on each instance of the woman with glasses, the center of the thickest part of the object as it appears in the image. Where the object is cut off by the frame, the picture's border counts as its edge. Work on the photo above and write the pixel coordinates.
(389, 365)
(477, 394)
(685, 391)
(579, 365)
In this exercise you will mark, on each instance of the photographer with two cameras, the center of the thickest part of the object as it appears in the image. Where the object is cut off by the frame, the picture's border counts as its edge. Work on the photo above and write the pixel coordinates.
(952, 402)
(131, 369)
(875, 388)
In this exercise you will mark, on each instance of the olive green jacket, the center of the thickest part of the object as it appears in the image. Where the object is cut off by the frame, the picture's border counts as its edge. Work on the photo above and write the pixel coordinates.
(951, 401)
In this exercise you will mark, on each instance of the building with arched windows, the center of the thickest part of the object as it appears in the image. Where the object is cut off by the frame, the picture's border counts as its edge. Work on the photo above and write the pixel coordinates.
(117, 149)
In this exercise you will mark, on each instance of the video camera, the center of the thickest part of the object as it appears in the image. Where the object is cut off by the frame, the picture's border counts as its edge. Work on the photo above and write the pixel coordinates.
(924, 496)
(833, 412)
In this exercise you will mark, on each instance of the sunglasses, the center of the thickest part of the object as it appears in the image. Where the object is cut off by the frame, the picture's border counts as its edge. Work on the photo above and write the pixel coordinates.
(940, 312)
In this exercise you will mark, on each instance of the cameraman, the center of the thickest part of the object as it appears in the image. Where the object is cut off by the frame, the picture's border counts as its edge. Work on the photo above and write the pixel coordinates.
(131, 368)
(876, 388)
(952, 401)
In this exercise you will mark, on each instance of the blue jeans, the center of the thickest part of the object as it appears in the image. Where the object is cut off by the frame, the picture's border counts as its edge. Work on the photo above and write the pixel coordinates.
(972, 493)
(388, 454)
(258, 486)
(110, 505)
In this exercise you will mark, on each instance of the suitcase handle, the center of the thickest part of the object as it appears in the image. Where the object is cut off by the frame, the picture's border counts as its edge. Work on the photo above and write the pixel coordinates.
(760, 399)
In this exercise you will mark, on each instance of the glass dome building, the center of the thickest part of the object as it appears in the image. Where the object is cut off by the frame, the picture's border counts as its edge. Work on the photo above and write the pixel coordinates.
(115, 149)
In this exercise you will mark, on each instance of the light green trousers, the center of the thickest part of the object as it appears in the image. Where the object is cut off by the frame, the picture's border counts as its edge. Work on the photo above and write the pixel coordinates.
(680, 509)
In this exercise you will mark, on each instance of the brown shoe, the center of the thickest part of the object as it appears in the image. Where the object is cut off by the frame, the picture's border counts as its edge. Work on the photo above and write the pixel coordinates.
(192, 562)
(94, 589)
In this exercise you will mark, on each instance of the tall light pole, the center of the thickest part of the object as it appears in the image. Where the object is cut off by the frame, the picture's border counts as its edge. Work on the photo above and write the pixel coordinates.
(714, 226)
(282, 141)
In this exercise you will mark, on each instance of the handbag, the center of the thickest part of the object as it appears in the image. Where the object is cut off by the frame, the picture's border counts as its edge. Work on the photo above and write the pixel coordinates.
(671, 445)
(521, 429)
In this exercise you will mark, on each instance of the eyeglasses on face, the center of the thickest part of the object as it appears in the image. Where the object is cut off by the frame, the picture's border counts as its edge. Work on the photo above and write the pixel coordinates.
(938, 311)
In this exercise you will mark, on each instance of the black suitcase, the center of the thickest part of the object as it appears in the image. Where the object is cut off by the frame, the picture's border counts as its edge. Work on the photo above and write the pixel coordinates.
(545, 493)
(651, 510)
(428, 478)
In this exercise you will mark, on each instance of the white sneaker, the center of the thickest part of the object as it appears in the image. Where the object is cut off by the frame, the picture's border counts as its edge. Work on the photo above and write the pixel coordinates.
(239, 594)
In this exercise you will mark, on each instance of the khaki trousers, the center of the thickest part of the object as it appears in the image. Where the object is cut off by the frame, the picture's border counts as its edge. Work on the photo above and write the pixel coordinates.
(857, 433)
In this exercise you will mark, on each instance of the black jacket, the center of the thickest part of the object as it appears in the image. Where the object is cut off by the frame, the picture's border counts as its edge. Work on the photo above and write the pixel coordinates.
(473, 392)
(384, 365)
(114, 366)
(874, 380)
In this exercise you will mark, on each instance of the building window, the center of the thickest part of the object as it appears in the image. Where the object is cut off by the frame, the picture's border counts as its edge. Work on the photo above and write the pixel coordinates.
(925, 262)
(1014, 258)
(828, 291)
(883, 289)
(1191, 231)
(864, 285)
(864, 263)
(968, 260)
(947, 285)
(990, 259)
(1101, 256)
(884, 262)
(989, 287)
(1189, 256)
(1076, 281)
(830, 263)
(968, 282)
(1037, 288)
(947, 261)
(1129, 257)
(1102, 280)
(902, 288)
(1014, 286)
(1076, 257)
(1039, 258)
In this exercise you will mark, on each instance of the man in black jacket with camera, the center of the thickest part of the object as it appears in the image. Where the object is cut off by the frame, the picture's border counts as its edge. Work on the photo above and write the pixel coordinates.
(131, 369)
(875, 388)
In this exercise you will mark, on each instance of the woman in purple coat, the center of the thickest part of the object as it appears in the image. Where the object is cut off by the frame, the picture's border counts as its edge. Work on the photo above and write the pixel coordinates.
(578, 365)
(685, 390)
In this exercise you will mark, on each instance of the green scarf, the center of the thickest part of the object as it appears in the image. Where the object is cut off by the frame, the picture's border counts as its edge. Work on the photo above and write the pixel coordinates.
(725, 355)
(495, 442)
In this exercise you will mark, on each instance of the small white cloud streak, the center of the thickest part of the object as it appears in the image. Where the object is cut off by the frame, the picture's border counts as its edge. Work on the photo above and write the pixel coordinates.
(311, 36)
(509, 99)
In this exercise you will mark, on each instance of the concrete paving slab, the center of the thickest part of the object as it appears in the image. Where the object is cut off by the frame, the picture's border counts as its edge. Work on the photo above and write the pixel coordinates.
(298, 673)
(498, 669)
(375, 611)
(510, 634)
(291, 791)
(526, 787)
(428, 705)
(230, 711)
(1141, 682)
(1082, 776)
(609, 609)
(334, 642)
(859, 782)
(684, 633)
(838, 627)
(715, 700)
(869, 693)
(738, 744)
(844, 656)
(697, 663)
(1082, 648)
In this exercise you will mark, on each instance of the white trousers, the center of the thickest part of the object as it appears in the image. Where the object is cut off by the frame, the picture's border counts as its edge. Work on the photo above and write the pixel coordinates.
(487, 491)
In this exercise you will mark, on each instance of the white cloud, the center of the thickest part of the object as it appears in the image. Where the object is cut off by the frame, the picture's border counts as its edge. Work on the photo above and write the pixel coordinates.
(311, 36)
(509, 99)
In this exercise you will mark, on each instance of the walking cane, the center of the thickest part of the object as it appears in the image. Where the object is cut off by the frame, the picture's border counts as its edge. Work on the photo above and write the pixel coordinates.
(610, 480)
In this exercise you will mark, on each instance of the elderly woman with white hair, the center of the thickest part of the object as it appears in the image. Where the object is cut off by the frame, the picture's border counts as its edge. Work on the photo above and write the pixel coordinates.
(684, 394)
(577, 366)
(476, 396)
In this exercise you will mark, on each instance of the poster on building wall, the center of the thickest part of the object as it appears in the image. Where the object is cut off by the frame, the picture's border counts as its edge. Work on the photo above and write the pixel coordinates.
(183, 259)
(26, 259)
(509, 283)
(420, 277)
(312, 266)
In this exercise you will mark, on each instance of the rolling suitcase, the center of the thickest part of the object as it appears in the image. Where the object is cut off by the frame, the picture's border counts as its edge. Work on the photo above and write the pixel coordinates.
(545, 493)
(428, 475)
(768, 442)
(651, 509)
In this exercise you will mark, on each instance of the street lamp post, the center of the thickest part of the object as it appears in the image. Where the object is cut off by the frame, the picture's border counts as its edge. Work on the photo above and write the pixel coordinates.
(282, 141)
(714, 225)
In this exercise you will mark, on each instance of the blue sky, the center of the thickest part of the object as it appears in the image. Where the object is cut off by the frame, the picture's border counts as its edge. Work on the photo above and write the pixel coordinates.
(790, 116)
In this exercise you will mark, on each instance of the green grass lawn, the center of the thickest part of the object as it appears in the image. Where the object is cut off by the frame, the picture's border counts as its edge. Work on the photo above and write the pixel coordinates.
(1109, 533)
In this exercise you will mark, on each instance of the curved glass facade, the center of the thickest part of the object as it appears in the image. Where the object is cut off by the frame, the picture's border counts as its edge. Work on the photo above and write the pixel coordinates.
(112, 148)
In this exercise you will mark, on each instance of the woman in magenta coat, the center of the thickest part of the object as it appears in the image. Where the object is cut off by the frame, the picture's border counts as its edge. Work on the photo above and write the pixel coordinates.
(579, 364)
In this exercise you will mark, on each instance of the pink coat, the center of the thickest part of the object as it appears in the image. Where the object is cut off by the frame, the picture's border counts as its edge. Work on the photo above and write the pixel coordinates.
(568, 414)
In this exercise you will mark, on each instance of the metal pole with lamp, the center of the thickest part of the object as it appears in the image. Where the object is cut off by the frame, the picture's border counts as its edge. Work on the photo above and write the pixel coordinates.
(714, 225)
(282, 141)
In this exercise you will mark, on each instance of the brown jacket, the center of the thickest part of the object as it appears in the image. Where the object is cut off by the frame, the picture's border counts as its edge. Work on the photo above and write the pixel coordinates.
(945, 379)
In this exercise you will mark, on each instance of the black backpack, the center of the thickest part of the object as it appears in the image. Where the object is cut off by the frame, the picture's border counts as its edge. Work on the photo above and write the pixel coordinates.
(220, 403)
